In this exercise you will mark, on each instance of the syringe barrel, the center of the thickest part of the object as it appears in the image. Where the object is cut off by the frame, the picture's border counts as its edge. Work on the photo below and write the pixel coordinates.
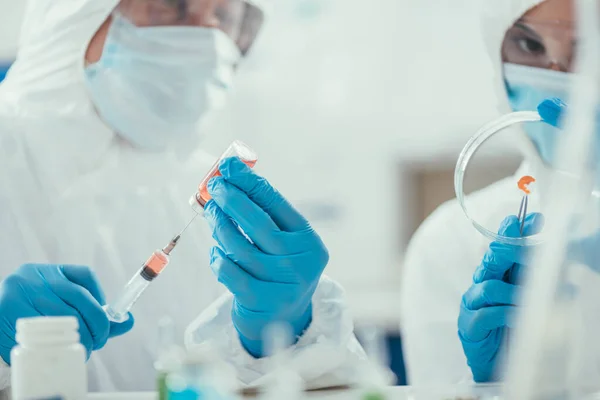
(117, 310)
(236, 149)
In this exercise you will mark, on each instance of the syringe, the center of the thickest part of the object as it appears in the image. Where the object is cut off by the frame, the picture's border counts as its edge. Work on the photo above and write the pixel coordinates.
(117, 311)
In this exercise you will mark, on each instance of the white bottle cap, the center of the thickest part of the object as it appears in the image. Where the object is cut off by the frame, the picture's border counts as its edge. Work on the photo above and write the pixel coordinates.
(47, 330)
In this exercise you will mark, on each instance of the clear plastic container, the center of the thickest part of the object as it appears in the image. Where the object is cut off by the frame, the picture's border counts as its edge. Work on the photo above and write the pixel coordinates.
(235, 149)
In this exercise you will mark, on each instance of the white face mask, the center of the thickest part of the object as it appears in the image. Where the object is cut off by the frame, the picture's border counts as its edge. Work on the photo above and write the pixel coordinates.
(153, 85)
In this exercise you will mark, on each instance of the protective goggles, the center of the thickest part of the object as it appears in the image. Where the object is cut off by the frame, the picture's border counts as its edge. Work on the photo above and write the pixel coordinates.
(241, 20)
(541, 44)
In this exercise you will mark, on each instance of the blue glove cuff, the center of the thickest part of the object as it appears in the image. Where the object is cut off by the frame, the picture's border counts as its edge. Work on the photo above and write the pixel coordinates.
(254, 346)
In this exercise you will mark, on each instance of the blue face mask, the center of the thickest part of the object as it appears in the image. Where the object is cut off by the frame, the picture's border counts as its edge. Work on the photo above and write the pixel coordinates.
(527, 87)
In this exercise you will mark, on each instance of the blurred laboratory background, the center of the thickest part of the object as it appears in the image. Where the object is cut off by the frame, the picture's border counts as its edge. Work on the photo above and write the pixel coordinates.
(358, 110)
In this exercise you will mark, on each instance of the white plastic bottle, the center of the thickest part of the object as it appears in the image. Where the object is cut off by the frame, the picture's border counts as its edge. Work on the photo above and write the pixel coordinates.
(48, 361)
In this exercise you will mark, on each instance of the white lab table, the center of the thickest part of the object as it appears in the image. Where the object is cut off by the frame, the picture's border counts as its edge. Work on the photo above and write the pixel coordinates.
(390, 393)
(460, 392)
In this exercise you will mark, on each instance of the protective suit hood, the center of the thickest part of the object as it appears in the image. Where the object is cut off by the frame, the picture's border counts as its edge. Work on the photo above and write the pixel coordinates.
(496, 18)
(45, 110)
(50, 58)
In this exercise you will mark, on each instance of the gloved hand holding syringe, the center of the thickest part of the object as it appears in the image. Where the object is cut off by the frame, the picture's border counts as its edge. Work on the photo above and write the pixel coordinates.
(117, 310)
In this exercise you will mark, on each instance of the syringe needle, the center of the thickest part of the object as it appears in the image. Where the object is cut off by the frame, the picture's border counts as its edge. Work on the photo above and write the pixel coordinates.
(169, 247)
(117, 311)
(188, 224)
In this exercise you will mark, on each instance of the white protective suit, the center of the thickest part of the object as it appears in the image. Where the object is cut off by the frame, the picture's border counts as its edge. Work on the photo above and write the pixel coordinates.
(72, 192)
(446, 249)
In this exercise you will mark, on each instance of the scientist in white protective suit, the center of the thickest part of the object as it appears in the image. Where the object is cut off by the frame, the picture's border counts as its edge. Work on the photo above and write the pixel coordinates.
(466, 279)
(99, 120)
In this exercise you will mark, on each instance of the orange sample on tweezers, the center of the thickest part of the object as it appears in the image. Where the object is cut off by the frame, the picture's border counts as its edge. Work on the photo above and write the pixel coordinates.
(524, 183)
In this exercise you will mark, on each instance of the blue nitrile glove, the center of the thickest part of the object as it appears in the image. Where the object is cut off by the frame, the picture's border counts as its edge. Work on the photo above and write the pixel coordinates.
(35, 290)
(552, 111)
(273, 277)
(487, 307)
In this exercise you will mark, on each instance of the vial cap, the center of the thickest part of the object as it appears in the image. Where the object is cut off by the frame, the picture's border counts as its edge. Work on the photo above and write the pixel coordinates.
(242, 150)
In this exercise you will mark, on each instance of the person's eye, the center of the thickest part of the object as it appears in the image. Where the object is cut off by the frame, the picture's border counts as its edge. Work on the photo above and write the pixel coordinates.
(531, 46)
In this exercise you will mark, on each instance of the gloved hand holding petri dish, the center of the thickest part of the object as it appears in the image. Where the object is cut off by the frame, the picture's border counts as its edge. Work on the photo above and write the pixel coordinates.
(503, 151)
(520, 150)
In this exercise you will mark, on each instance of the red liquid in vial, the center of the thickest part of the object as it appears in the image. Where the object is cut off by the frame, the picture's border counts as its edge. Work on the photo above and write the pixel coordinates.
(203, 196)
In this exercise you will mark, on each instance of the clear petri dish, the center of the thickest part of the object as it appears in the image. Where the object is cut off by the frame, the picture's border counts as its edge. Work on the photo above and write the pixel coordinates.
(494, 160)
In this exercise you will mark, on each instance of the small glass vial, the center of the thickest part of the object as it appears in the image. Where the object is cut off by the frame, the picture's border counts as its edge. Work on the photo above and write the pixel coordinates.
(49, 360)
(170, 356)
(236, 149)
(202, 376)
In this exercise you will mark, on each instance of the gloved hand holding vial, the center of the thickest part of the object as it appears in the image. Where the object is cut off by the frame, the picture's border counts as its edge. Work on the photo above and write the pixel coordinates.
(117, 310)
(268, 255)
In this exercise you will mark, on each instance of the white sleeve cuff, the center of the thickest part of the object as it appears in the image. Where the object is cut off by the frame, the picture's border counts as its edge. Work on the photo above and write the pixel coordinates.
(326, 355)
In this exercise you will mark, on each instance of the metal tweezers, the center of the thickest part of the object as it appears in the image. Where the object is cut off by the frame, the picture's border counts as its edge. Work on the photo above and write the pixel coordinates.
(523, 212)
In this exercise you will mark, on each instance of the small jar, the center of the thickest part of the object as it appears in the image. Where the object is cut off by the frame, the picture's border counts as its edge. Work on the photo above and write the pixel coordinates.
(49, 360)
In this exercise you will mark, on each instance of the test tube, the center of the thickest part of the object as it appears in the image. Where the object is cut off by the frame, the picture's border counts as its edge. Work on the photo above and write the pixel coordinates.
(117, 311)
(235, 149)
